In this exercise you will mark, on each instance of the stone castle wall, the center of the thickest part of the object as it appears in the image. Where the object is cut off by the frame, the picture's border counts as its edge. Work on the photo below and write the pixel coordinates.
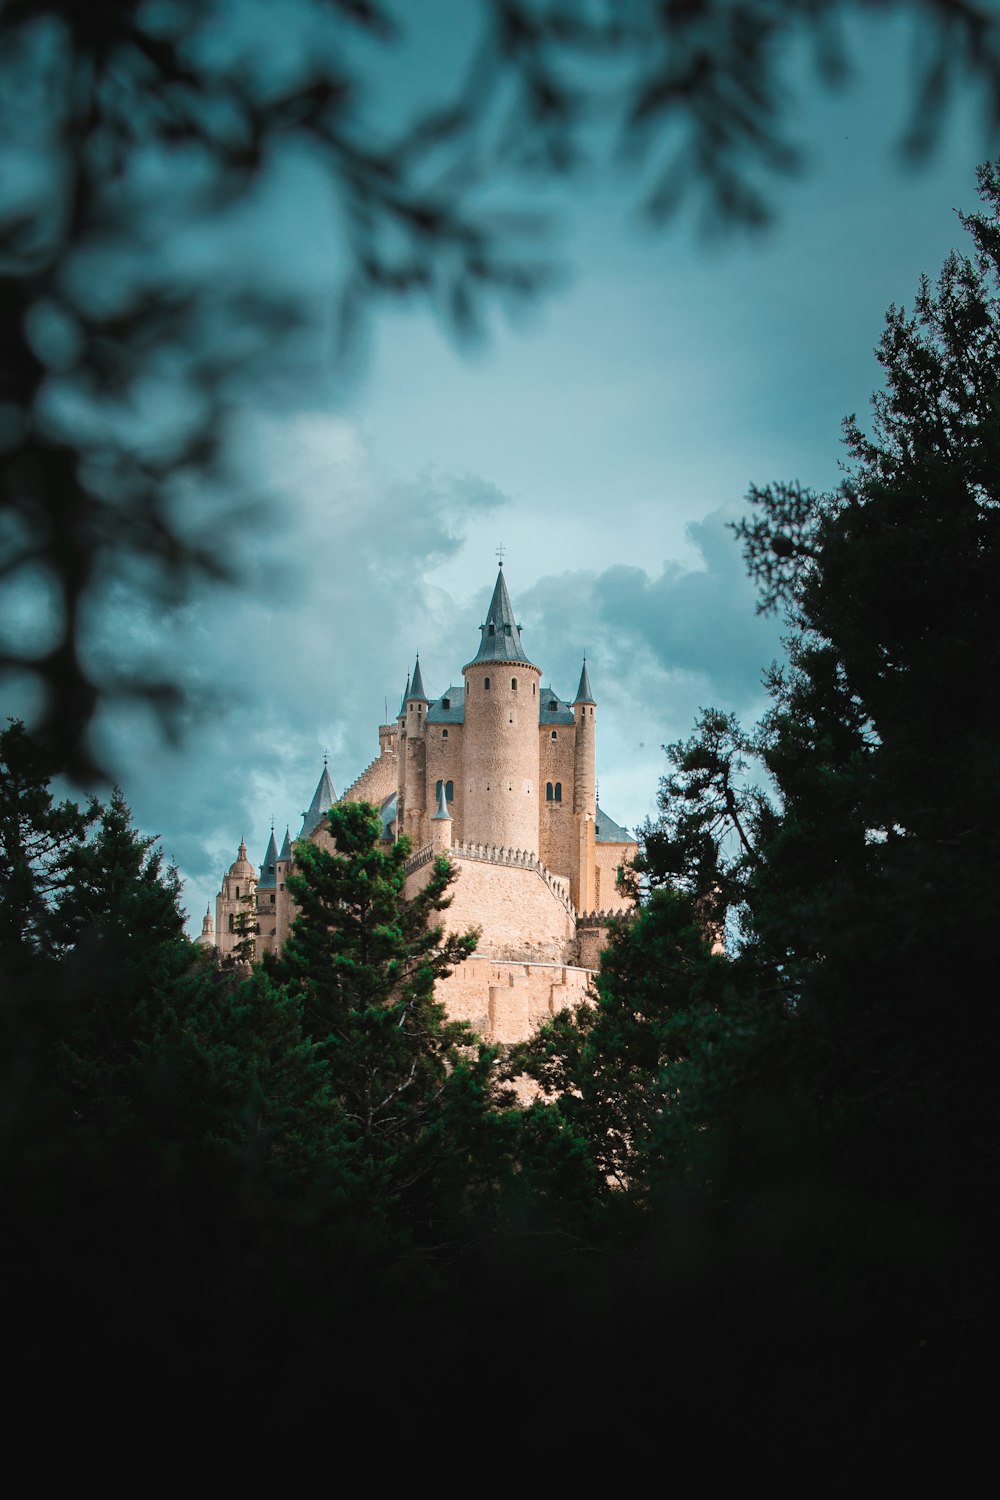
(523, 917)
(504, 1001)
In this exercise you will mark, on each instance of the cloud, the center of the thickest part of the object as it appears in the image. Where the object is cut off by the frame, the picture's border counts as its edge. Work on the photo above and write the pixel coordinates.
(300, 657)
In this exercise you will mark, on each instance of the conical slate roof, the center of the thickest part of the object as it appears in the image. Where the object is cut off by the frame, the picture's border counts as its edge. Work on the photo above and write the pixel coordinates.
(583, 693)
(501, 634)
(416, 690)
(323, 799)
(406, 694)
(286, 848)
(268, 873)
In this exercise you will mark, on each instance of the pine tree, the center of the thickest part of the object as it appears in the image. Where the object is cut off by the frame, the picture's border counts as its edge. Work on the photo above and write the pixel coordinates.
(36, 835)
(415, 1089)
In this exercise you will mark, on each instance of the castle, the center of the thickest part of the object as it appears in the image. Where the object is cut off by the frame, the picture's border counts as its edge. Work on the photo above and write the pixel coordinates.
(499, 773)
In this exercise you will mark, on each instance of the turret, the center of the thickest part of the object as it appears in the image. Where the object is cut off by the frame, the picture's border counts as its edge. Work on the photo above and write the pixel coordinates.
(583, 885)
(323, 799)
(414, 751)
(501, 734)
(283, 905)
(585, 761)
(441, 824)
(269, 868)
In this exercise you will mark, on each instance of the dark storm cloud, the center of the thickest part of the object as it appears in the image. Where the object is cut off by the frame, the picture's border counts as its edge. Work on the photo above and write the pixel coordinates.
(301, 655)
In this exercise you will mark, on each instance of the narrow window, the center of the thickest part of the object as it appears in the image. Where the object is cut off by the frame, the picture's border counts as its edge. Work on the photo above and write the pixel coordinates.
(548, 791)
(237, 893)
(232, 927)
(554, 735)
(558, 796)
(513, 684)
(444, 734)
(492, 628)
(449, 792)
(445, 702)
(486, 683)
(534, 685)
(437, 791)
(506, 630)
(272, 898)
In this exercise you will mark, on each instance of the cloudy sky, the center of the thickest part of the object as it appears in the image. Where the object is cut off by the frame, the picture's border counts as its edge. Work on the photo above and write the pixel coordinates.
(606, 439)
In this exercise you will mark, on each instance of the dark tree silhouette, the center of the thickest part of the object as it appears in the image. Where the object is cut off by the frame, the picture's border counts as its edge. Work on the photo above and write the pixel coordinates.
(126, 126)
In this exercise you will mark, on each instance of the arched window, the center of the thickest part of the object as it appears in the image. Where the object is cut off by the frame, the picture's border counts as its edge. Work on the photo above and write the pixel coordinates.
(558, 796)
(513, 684)
(554, 735)
(449, 791)
(237, 893)
(548, 791)
(444, 734)
(486, 683)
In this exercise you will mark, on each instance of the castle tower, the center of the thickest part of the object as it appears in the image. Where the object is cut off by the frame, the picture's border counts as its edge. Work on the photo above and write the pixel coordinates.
(582, 881)
(501, 761)
(236, 900)
(401, 759)
(414, 751)
(283, 905)
(267, 895)
(441, 824)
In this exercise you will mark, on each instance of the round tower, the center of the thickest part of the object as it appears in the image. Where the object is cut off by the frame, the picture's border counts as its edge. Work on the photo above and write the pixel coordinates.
(414, 753)
(585, 753)
(500, 748)
(583, 878)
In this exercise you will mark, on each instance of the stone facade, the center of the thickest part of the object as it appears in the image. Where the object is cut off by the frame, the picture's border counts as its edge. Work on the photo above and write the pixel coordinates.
(499, 773)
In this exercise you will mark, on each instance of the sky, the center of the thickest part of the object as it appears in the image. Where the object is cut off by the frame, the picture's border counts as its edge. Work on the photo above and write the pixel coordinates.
(606, 438)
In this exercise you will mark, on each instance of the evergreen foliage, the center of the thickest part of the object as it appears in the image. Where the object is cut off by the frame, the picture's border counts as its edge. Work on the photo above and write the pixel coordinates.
(776, 1165)
(362, 961)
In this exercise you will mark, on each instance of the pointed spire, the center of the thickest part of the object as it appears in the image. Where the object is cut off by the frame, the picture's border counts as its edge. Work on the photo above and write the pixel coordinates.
(268, 870)
(207, 934)
(583, 693)
(323, 799)
(417, 689)
(406, 694)
(501, 633)
(286, 848)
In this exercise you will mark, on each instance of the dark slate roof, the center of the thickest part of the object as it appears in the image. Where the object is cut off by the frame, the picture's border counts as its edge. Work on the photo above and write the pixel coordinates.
(416, 689)
(323, 799)
(608, 831)
(583, 693)
(388, 813)
(454, 713)
(268, 874)
(554, 710)
(406, 694)
(286, 848)
(501, 634)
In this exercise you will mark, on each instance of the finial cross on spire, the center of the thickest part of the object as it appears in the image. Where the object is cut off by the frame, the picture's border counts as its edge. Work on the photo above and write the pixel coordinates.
(326, 757)
(500, 552)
